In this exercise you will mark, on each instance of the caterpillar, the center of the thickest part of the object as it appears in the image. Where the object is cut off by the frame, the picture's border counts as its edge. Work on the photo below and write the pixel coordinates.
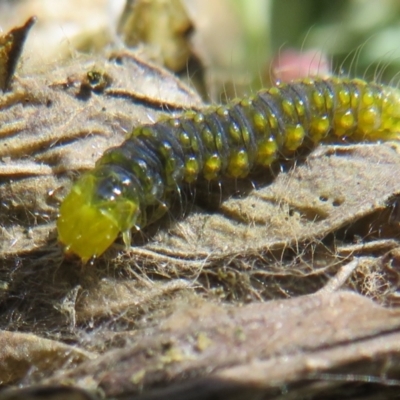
(131, 184)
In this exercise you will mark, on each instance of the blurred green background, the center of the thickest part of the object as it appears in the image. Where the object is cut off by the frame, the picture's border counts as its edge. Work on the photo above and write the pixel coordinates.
(362, 37)
(235, 40)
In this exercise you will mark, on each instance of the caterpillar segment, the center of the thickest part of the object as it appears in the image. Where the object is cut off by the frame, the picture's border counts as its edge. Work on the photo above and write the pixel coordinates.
(132, 183)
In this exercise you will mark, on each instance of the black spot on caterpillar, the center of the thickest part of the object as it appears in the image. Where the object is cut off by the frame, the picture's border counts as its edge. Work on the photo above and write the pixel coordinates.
(220, 141)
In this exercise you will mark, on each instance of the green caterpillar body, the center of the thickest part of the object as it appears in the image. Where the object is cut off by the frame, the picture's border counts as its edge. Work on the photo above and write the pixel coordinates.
(217, 142)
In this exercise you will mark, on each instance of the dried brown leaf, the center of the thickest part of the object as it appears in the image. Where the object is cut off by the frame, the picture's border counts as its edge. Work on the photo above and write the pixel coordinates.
(11, 45)
(259, 346)
(287, 237)
(24, 354)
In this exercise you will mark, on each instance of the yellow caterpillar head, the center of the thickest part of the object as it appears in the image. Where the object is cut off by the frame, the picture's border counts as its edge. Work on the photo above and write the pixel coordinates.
(92, 215)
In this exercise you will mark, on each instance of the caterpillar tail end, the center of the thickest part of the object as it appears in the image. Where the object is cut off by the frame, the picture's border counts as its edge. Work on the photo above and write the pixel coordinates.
(84, 228)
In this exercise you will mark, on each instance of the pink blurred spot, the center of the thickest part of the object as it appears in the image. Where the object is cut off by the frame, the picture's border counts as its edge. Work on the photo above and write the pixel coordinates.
(290, 64)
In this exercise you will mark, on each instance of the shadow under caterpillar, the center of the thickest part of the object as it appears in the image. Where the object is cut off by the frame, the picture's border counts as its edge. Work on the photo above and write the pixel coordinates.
(131, 184)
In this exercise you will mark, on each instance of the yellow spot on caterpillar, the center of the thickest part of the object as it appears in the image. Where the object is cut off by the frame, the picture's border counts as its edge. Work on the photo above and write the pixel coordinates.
(274, 91)
(238, 165)
(246, 136)
(300, 109)
(344, 97)
(184, 139)
(343, 122)
(191, 169)
(319, 128)
(368, 98)
(208, 138)
(294, 137)
(329, 101)
(273, 121)
(259, 121)
(266, 153)
(212, 167)
(234, 133)
(368, 119)
(318, 100)
(288, 108)
(222, 111)
(144, 131)
(218, 140)
(198, 118)
(245, 103)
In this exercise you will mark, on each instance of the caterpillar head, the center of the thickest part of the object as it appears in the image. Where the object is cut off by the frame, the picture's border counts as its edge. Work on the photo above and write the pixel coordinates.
(94, 212)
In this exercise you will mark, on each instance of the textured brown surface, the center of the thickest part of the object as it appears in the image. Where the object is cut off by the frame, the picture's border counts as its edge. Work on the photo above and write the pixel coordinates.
(260, 345)
(236, 294)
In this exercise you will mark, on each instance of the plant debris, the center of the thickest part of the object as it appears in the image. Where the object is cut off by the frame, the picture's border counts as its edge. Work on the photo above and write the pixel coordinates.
(11, 45)
(282, 286)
